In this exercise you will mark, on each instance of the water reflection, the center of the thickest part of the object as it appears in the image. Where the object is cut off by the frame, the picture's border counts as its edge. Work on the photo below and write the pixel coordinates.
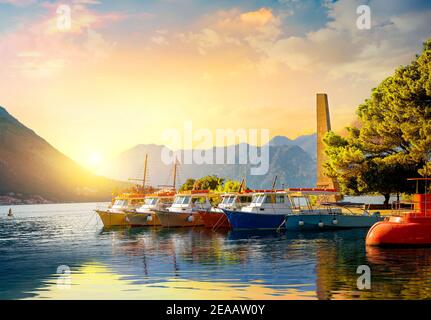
(147, 263)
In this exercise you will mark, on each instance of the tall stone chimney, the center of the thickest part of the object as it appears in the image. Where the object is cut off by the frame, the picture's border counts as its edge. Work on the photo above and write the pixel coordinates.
(323, 126)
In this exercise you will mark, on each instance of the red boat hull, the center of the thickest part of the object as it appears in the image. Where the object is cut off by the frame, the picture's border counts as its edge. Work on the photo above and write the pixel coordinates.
(217, 220)
(411, 230)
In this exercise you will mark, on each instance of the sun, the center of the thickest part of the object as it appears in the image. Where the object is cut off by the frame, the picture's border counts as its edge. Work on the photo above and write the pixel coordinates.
(95, 159)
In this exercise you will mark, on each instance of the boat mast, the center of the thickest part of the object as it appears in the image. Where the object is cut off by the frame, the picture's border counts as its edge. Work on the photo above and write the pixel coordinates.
(175, 175)
(274, 183)
(241, 186)
(145, 172)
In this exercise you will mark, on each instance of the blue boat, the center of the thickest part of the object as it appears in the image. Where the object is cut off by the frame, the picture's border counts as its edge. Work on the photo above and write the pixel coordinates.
(249, 220)
(267, 211)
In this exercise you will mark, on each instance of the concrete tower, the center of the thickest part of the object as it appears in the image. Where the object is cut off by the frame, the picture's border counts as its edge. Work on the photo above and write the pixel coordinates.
(323, 126)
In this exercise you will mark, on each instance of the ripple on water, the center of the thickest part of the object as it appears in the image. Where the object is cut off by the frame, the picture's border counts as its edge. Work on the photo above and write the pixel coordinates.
(194, 263)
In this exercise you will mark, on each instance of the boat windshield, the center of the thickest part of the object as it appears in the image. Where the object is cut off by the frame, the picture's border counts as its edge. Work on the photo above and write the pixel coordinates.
(150, 201)
(182, 200)
(260, 198)
(228, 200)
(120, 203)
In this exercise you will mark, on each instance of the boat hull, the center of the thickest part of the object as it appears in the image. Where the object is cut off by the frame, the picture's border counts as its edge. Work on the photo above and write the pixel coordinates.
(240, 220)
(216, 220)
(143, 219)
(112, 219)
(329, 221)
(400, 232)
(179, 220)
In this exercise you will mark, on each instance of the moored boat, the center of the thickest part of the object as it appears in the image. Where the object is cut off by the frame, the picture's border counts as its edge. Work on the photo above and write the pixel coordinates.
(145, 215)
(412, 228)
(184, 212)
(266, 211)
(115, 215)
(215, 218)
(325, 215)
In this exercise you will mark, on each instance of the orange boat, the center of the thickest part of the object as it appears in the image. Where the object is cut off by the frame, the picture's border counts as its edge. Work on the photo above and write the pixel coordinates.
(410, 229)
(215, 218)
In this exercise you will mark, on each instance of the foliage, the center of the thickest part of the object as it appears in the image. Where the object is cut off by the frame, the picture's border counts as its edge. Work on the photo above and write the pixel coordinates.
(211, 182)
(188, 185)
(393, 138)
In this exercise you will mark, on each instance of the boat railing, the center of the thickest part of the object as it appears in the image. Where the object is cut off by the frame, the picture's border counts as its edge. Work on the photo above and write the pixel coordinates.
(404, 207)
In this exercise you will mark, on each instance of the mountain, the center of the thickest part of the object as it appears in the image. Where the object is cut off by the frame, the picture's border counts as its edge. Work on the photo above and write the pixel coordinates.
(293, 166)
(307, 142)
(31, 166)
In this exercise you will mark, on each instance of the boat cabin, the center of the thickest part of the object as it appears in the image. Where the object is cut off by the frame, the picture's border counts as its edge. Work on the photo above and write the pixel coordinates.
(269, 202)
(126, 202)
(309, 201)
(189, 202)
(157, 201)
(234, 200)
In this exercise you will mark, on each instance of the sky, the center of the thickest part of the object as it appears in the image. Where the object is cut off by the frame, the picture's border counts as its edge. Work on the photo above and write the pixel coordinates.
(125, 71)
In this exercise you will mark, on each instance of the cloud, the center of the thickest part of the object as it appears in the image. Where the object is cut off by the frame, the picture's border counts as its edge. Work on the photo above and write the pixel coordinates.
(18, 3)
(233, 28)
(259, 17)
(38, 48)
(340, 49)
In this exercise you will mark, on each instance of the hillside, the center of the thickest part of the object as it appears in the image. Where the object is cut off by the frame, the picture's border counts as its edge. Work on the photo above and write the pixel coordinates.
(29, 165)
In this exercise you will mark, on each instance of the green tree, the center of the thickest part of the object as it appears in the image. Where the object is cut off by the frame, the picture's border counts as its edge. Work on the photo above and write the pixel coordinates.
(392, 140)
(230, 186)
(205, 183)
(188, 185)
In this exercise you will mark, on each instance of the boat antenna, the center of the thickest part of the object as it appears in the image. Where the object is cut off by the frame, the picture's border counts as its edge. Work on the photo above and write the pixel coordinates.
(145, 172)
(274, 183)
(241, 186)
(174, 184)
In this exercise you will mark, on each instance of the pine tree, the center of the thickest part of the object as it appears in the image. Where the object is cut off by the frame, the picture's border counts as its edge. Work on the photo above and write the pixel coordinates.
(392, 140)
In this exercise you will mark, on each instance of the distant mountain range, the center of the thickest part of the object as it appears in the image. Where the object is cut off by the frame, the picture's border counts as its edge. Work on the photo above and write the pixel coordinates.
(307, 142)
(292, 161)
(30, 166)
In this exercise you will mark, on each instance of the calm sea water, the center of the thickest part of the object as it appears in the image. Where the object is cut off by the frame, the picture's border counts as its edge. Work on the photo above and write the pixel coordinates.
(42, 243)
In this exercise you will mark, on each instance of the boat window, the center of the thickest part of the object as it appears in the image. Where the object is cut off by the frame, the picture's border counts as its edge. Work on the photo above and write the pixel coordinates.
(232, 199)
(150, 201)
(280, 198)
(186, 200)
(178, 200)
(225, 200)
(270, 198)
(259, 198)
(245, 199)
(255, 199)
